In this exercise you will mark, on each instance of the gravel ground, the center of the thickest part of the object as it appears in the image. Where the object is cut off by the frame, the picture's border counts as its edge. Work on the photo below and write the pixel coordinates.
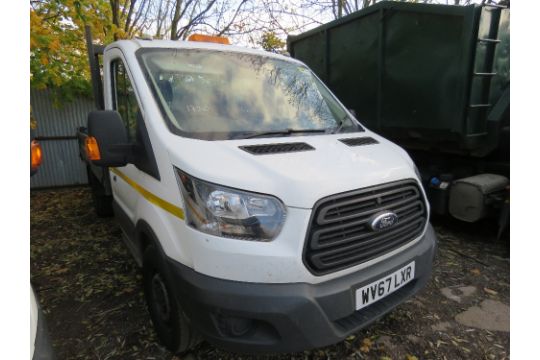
(90, 291)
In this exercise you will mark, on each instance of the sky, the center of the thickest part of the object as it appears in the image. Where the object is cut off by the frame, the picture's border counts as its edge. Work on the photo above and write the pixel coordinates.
(289, 17)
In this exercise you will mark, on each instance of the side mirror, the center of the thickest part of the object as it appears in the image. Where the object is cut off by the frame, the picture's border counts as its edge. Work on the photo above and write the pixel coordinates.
(107, 141)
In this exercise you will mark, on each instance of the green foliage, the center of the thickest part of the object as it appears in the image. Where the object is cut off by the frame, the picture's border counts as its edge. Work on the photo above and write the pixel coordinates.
(58, 58)
(271, 42)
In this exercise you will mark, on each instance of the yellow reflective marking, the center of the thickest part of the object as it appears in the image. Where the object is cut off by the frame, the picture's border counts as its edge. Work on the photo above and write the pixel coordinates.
(165, 205)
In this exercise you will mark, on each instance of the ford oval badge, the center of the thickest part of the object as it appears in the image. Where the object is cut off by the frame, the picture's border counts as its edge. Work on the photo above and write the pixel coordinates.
(383, 220)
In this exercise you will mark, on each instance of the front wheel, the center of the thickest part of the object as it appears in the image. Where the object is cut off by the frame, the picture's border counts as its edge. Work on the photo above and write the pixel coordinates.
(171, 324)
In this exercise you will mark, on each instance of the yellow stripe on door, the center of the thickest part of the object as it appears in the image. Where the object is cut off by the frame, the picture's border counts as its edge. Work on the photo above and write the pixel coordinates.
(165, 205)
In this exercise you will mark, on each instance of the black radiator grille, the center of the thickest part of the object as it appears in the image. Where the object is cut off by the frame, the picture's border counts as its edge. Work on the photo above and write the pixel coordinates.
(340, 236)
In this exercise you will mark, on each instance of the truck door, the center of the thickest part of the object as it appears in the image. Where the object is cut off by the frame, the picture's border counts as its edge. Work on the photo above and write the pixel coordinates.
(123, 98)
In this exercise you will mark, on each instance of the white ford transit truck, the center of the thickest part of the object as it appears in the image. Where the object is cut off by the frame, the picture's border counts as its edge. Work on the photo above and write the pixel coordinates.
(265, 217)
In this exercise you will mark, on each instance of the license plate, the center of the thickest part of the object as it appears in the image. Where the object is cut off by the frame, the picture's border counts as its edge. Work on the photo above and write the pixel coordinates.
(383, 287)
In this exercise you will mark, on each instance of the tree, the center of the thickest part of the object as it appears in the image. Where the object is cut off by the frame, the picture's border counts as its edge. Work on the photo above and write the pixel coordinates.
(338, 8)
(192, 11)
(57, 47)
(274, 16)
(216, 17)
(270, 42)
(129, 18)
(57, 50)
(160, 10)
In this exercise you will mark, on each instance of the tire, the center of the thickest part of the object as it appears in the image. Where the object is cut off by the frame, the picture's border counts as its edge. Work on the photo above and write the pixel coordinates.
(170, 323)
(102, 203)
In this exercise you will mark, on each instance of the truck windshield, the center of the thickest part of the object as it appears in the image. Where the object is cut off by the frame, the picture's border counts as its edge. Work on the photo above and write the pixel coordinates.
(216, 95)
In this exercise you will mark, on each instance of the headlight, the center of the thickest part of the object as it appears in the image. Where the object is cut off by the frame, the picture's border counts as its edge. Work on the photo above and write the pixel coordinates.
(222, 211)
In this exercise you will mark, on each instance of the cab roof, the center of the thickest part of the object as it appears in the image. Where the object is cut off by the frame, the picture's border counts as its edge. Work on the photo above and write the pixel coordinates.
(135, 44)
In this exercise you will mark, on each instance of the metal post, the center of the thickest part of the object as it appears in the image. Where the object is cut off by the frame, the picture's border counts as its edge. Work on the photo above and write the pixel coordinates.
(93, 60)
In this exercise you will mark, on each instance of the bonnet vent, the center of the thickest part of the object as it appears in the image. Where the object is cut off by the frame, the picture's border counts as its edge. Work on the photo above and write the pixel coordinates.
(276, 148)
(359, 141)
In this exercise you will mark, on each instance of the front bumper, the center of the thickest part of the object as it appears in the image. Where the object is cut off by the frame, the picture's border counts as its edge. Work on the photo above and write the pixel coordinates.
(254, 317)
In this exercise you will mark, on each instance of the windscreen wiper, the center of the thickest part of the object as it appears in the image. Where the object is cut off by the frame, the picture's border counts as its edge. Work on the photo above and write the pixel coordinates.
(340, 125)
(343, 124)
(286, 132)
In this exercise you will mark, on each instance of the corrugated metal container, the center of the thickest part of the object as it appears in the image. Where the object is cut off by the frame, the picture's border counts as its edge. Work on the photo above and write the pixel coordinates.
(56, 129)
(423, 75)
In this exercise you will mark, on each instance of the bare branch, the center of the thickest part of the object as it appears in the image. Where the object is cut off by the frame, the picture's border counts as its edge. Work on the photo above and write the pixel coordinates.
(228, 26)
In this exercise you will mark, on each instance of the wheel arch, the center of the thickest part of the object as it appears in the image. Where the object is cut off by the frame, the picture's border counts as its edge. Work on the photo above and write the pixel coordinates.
(147, 237)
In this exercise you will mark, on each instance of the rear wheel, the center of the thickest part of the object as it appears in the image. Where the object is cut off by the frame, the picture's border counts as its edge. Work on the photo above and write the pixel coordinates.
(103, 205)
(102, 202)
(171, 324)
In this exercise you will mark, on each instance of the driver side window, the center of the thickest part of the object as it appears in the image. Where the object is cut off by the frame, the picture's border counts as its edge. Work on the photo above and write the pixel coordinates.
(124, 99)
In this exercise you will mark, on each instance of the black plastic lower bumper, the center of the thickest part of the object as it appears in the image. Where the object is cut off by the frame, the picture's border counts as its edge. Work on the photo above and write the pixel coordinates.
(253, 317)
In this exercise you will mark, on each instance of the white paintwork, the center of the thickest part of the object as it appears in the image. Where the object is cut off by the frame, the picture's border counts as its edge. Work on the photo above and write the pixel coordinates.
(125, 195)
(298, 179)
(33, 322)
